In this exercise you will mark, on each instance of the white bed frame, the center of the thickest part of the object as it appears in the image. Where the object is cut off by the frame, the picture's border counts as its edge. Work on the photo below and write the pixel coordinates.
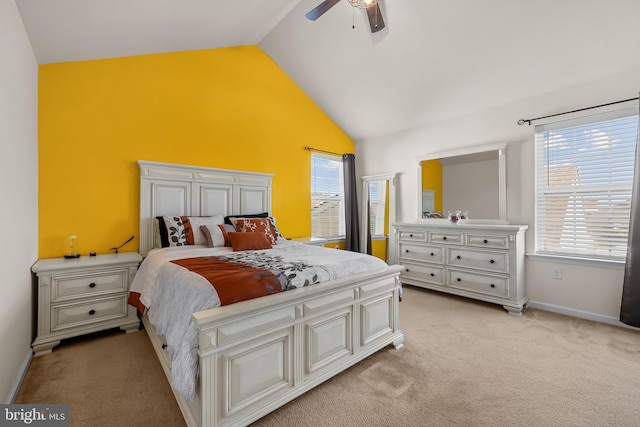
(257, 355)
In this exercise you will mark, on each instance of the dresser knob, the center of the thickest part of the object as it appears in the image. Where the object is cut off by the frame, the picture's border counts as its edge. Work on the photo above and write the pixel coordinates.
(92, 312)
(92, 285)
(492, 262)
(459, 279)
(458, 257)
(433, 275)
(444, 238)
(407, 270)
(407, 250)
(432, 253)
(492, 285)
(410, 235)
(485, 241)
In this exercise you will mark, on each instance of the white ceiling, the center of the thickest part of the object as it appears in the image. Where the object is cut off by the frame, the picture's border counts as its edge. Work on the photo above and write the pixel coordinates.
(436, 59)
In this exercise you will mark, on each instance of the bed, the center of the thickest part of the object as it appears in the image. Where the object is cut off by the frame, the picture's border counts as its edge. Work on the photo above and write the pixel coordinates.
(247, 358)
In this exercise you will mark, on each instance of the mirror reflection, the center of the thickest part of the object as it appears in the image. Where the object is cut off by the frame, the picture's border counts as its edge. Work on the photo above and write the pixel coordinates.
(467, 183)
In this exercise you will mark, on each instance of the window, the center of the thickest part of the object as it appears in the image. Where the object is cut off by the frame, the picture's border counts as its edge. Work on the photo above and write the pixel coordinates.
(377, 207)
(327, 196)
(584, 171)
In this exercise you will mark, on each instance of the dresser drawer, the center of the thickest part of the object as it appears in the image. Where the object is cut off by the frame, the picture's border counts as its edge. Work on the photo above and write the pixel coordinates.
(452, 238)
(488, 241)
(85, 313)
(481, 283)
(485, 260)
(430, 253)
(424, 273)
(89, 284)
(417, 236)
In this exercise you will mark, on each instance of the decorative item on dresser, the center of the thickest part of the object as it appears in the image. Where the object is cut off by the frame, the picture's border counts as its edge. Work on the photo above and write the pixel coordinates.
(83, 295)
(481, 261)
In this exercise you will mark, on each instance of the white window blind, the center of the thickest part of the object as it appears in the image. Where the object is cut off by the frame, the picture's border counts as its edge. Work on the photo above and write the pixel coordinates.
(584, 171)
(327, 196)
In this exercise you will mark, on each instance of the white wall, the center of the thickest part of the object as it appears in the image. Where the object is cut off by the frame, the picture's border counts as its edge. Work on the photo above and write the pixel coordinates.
(592, 292)
(18, 193)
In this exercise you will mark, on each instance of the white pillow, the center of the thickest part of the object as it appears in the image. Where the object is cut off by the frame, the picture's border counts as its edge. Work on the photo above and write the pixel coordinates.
(186, 230)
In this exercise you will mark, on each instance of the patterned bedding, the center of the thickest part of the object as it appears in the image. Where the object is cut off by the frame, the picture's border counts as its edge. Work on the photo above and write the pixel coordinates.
(172, 283)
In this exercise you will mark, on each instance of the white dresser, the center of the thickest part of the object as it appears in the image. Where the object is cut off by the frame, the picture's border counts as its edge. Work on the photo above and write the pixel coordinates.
(480, 261)
(83, 295)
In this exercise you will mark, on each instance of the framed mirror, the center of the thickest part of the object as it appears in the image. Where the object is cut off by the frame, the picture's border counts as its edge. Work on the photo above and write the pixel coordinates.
(470, 179)
(378, 211)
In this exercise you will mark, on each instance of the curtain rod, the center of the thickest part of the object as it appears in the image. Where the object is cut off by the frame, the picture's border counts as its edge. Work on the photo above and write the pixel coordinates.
(321, 151)
(523, 121)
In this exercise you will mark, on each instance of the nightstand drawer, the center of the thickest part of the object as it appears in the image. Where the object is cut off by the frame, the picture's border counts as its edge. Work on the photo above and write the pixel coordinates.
(87, 285)
(86, 313)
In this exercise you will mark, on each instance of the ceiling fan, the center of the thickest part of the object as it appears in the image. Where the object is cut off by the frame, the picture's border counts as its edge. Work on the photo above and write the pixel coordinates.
(373, 11)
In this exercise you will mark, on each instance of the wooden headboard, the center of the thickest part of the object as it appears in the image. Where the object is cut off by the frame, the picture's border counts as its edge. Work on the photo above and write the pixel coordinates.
(171, 189)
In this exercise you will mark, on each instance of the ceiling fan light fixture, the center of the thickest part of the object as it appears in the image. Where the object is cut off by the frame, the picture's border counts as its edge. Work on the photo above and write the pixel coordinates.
(363, 4)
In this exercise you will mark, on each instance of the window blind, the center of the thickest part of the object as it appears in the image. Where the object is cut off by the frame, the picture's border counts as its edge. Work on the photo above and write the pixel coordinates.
(327, 196)
(584, 170)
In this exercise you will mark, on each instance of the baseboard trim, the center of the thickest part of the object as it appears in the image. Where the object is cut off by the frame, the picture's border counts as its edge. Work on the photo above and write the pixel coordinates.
(23, 371)
(578, 313)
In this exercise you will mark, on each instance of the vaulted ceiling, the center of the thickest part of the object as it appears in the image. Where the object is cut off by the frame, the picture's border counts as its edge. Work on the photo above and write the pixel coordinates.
(434, 60)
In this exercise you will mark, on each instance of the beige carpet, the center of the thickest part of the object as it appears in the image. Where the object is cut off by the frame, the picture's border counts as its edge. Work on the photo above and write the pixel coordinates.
(465, 363)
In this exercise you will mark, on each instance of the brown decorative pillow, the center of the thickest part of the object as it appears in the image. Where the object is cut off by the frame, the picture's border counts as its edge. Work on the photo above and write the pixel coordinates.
(243, 241)
(256, 225)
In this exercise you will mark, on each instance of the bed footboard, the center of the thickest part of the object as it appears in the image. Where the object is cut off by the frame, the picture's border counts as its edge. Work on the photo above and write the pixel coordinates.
(257, 355)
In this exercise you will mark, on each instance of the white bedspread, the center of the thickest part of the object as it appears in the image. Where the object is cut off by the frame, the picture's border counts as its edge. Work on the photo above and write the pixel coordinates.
(172, 293)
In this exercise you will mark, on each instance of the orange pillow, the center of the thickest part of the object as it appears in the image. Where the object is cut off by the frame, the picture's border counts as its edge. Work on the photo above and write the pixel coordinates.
(256, 225)
(247, 241)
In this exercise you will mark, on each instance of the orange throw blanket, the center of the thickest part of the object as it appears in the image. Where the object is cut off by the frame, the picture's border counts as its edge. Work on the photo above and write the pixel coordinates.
(235, 281)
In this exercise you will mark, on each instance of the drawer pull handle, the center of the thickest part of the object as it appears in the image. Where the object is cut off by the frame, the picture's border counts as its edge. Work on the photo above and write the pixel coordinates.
(92, 285)
(444, 238)
(407, 270)
(492, 262)
(432, 254)
(492, 285)
(485, 241)
(92, 312)
(458, 257)
(407, 250)
(459, 279)
(410, 235)
(433, 275)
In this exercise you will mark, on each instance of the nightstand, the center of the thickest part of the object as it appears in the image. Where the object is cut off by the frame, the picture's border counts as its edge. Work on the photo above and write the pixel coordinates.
(83, 295)
(315, 241)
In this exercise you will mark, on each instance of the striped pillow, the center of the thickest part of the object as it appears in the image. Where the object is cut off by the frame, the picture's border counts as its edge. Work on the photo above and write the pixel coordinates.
(217, 235)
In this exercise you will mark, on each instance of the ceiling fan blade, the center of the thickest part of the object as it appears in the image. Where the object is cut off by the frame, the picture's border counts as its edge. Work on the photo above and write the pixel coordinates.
(375, 18)
(319, 10)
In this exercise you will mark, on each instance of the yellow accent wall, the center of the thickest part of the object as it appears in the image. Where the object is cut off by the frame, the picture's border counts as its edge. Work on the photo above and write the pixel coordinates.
(231, 108)
(432, 180)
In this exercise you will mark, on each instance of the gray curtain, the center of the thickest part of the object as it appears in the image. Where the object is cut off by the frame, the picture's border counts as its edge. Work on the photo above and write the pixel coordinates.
(352, 230)
(630, 306)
